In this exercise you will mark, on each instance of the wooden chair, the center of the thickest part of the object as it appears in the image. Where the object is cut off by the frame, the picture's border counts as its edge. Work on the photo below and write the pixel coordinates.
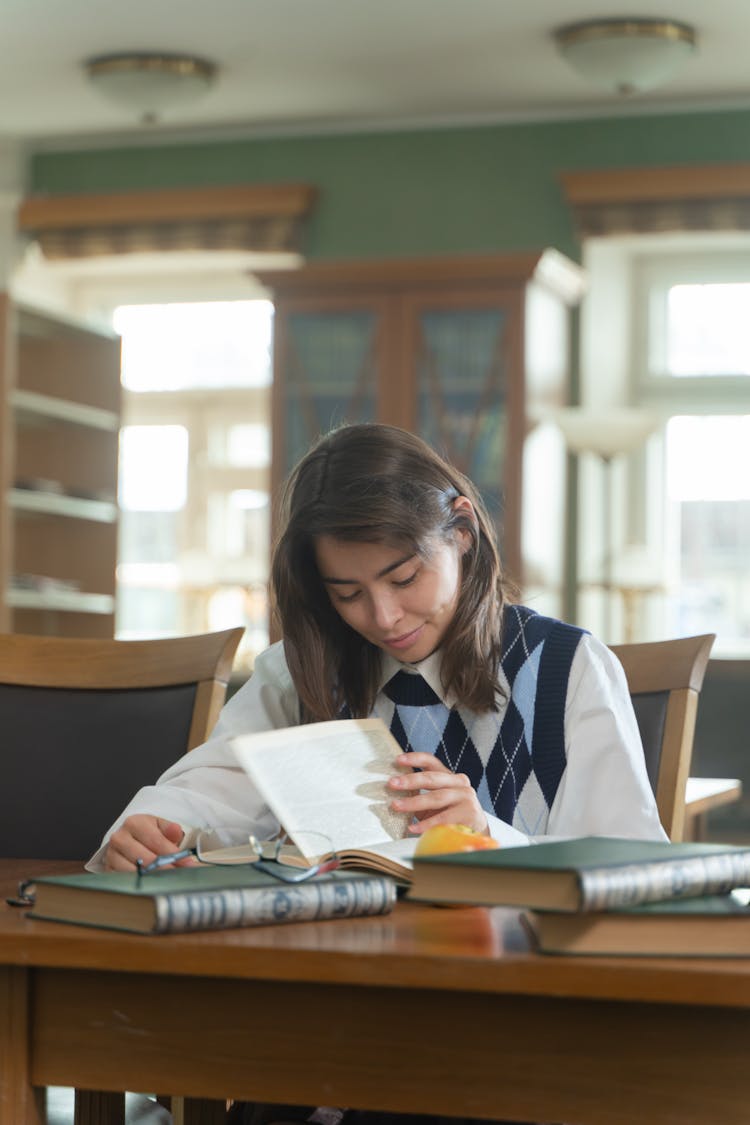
(665, 679)
(86, 723)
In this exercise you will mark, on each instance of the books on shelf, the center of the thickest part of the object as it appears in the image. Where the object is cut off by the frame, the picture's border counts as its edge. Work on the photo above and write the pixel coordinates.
(584, 874)
(185, 899)
(327, 781)
(706, 926)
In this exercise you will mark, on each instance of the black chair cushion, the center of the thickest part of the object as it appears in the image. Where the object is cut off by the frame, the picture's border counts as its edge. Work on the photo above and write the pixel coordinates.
(72, 759)
(651, 712)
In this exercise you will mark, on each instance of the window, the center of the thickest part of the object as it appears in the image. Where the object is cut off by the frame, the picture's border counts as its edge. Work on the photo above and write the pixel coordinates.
(709, 521)
(183, 346)
(153, 468)
(706, 329)
(691, 317)
(692, 361)
(195, 457)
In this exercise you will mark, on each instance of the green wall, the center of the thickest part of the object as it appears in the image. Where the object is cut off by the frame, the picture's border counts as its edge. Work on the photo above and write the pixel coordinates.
(447, 190)
(453, 190)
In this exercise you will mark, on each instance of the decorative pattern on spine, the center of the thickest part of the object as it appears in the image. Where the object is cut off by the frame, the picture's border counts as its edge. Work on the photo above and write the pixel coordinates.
(607, 887)
(260, 906)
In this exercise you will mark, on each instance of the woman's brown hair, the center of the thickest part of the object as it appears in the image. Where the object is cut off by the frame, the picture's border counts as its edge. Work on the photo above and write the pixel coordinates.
(373, 483)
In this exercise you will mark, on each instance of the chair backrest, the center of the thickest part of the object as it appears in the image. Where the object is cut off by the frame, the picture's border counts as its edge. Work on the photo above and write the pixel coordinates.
(665, 678)
(85, 723)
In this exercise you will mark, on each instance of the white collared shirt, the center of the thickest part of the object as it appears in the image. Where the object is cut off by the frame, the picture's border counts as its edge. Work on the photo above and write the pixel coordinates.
(604, 790)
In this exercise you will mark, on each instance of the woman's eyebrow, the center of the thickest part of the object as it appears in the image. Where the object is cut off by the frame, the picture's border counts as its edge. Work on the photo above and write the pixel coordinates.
(381, 573)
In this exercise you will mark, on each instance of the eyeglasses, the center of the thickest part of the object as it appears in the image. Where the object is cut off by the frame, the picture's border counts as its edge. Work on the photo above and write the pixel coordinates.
(278, 857)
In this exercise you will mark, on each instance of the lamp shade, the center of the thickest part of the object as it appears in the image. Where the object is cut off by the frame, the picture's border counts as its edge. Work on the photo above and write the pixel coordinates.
(148, 83)
(605, 431)
(626, 56)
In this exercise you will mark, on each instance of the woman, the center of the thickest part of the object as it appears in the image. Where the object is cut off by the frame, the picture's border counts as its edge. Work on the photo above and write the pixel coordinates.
(392, 602)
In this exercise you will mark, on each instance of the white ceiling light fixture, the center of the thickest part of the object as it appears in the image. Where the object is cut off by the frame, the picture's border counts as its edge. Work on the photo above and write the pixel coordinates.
(628, 55)
(149, 83)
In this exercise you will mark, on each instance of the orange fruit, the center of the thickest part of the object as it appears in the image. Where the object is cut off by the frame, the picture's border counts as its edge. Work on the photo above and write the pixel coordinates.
(452, 838)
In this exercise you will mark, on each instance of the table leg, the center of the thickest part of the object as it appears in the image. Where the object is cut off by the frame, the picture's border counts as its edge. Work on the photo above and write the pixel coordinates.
(198, 1111)
(99, 1107)
(20, 1102)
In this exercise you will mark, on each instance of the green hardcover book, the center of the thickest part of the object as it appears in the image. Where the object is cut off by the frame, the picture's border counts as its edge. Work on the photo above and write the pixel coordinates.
(709, 926)
(587, 873)
(205, 898)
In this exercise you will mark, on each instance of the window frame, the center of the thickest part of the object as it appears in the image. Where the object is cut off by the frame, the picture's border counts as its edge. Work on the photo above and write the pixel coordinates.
(652, 276)
(653, 272)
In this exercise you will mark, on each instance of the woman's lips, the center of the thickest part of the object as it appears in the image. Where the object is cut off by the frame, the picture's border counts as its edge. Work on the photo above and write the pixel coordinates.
(404, 641)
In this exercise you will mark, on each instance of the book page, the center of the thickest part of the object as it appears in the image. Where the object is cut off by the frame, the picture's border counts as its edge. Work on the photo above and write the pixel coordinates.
(327, 779)
(397, 854)
(391, 856)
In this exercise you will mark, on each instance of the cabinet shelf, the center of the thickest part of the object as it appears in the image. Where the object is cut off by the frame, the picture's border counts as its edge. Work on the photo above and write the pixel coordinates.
(68, 601)
(60, 401)
(53, 504)
(30, 406)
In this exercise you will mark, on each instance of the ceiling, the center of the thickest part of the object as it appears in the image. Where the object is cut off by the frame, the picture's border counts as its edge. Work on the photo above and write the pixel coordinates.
(335, 65)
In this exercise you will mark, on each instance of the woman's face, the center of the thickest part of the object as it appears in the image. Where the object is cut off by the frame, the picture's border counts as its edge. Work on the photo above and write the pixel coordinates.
(398, 601)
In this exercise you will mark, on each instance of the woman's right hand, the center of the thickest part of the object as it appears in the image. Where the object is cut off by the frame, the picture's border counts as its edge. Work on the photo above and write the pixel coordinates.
(142, 837)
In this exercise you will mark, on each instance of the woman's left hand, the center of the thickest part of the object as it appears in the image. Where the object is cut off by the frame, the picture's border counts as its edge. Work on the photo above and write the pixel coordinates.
(443, 797)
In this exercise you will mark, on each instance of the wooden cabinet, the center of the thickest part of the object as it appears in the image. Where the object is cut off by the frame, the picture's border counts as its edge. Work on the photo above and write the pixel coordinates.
(59, 422)
(472, 353)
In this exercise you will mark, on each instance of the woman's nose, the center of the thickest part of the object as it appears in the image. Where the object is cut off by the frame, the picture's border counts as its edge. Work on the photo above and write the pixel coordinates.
(385, 610)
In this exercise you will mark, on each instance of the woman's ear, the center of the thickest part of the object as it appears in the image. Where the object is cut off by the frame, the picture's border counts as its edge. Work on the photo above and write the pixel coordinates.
(462, 505)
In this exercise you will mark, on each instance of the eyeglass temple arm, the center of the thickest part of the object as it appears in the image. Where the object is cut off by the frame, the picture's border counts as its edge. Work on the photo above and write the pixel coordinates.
(292, 876)
(165, 860)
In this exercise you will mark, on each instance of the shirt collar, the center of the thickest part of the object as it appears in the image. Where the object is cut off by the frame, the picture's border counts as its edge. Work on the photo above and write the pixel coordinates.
(428, 669)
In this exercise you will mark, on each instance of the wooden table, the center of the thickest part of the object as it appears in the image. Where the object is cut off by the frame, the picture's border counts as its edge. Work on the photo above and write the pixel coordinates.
(702, 794)
(438, 1010)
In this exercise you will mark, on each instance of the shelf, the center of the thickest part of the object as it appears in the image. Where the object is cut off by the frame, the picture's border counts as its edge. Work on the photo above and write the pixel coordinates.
(35, 406)
(59, 433)
(69, 601)
(53, 504)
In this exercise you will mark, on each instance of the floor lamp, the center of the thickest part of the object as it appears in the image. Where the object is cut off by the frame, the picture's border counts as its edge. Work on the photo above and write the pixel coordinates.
(607, 432)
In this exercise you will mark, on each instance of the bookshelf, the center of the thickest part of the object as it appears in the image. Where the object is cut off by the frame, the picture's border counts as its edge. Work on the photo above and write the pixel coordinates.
(59, 423)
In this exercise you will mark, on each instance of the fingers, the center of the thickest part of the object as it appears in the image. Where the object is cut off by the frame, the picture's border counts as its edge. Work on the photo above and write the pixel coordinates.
(437, 799)
(446, 806)
(443, 797)
(141, 837)
(431, 779)
(477, 821)
(417, 759)
(171, 830)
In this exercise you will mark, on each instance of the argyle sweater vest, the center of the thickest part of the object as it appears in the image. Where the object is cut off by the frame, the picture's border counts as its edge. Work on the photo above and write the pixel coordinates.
(514, 759)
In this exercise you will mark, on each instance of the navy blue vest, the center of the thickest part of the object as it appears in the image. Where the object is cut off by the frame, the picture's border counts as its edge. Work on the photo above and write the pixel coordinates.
(514, 761)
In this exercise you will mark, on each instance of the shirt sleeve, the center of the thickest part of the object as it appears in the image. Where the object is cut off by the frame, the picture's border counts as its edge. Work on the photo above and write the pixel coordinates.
(207, 788)
(604, 790)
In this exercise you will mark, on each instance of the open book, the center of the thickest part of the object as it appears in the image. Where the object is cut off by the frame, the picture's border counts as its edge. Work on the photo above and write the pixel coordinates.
(326, 782)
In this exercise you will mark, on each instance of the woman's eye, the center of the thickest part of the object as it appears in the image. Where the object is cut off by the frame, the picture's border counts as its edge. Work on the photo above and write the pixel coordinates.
(406, 581)
(347, 597)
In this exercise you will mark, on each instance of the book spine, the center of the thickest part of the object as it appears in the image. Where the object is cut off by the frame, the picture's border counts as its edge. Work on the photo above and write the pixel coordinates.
(261, 906)
(607, 887)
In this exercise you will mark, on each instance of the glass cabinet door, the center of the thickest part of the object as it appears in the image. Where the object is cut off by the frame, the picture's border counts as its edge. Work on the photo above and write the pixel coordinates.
(329, 372)
(453, 349)
(462, 355)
